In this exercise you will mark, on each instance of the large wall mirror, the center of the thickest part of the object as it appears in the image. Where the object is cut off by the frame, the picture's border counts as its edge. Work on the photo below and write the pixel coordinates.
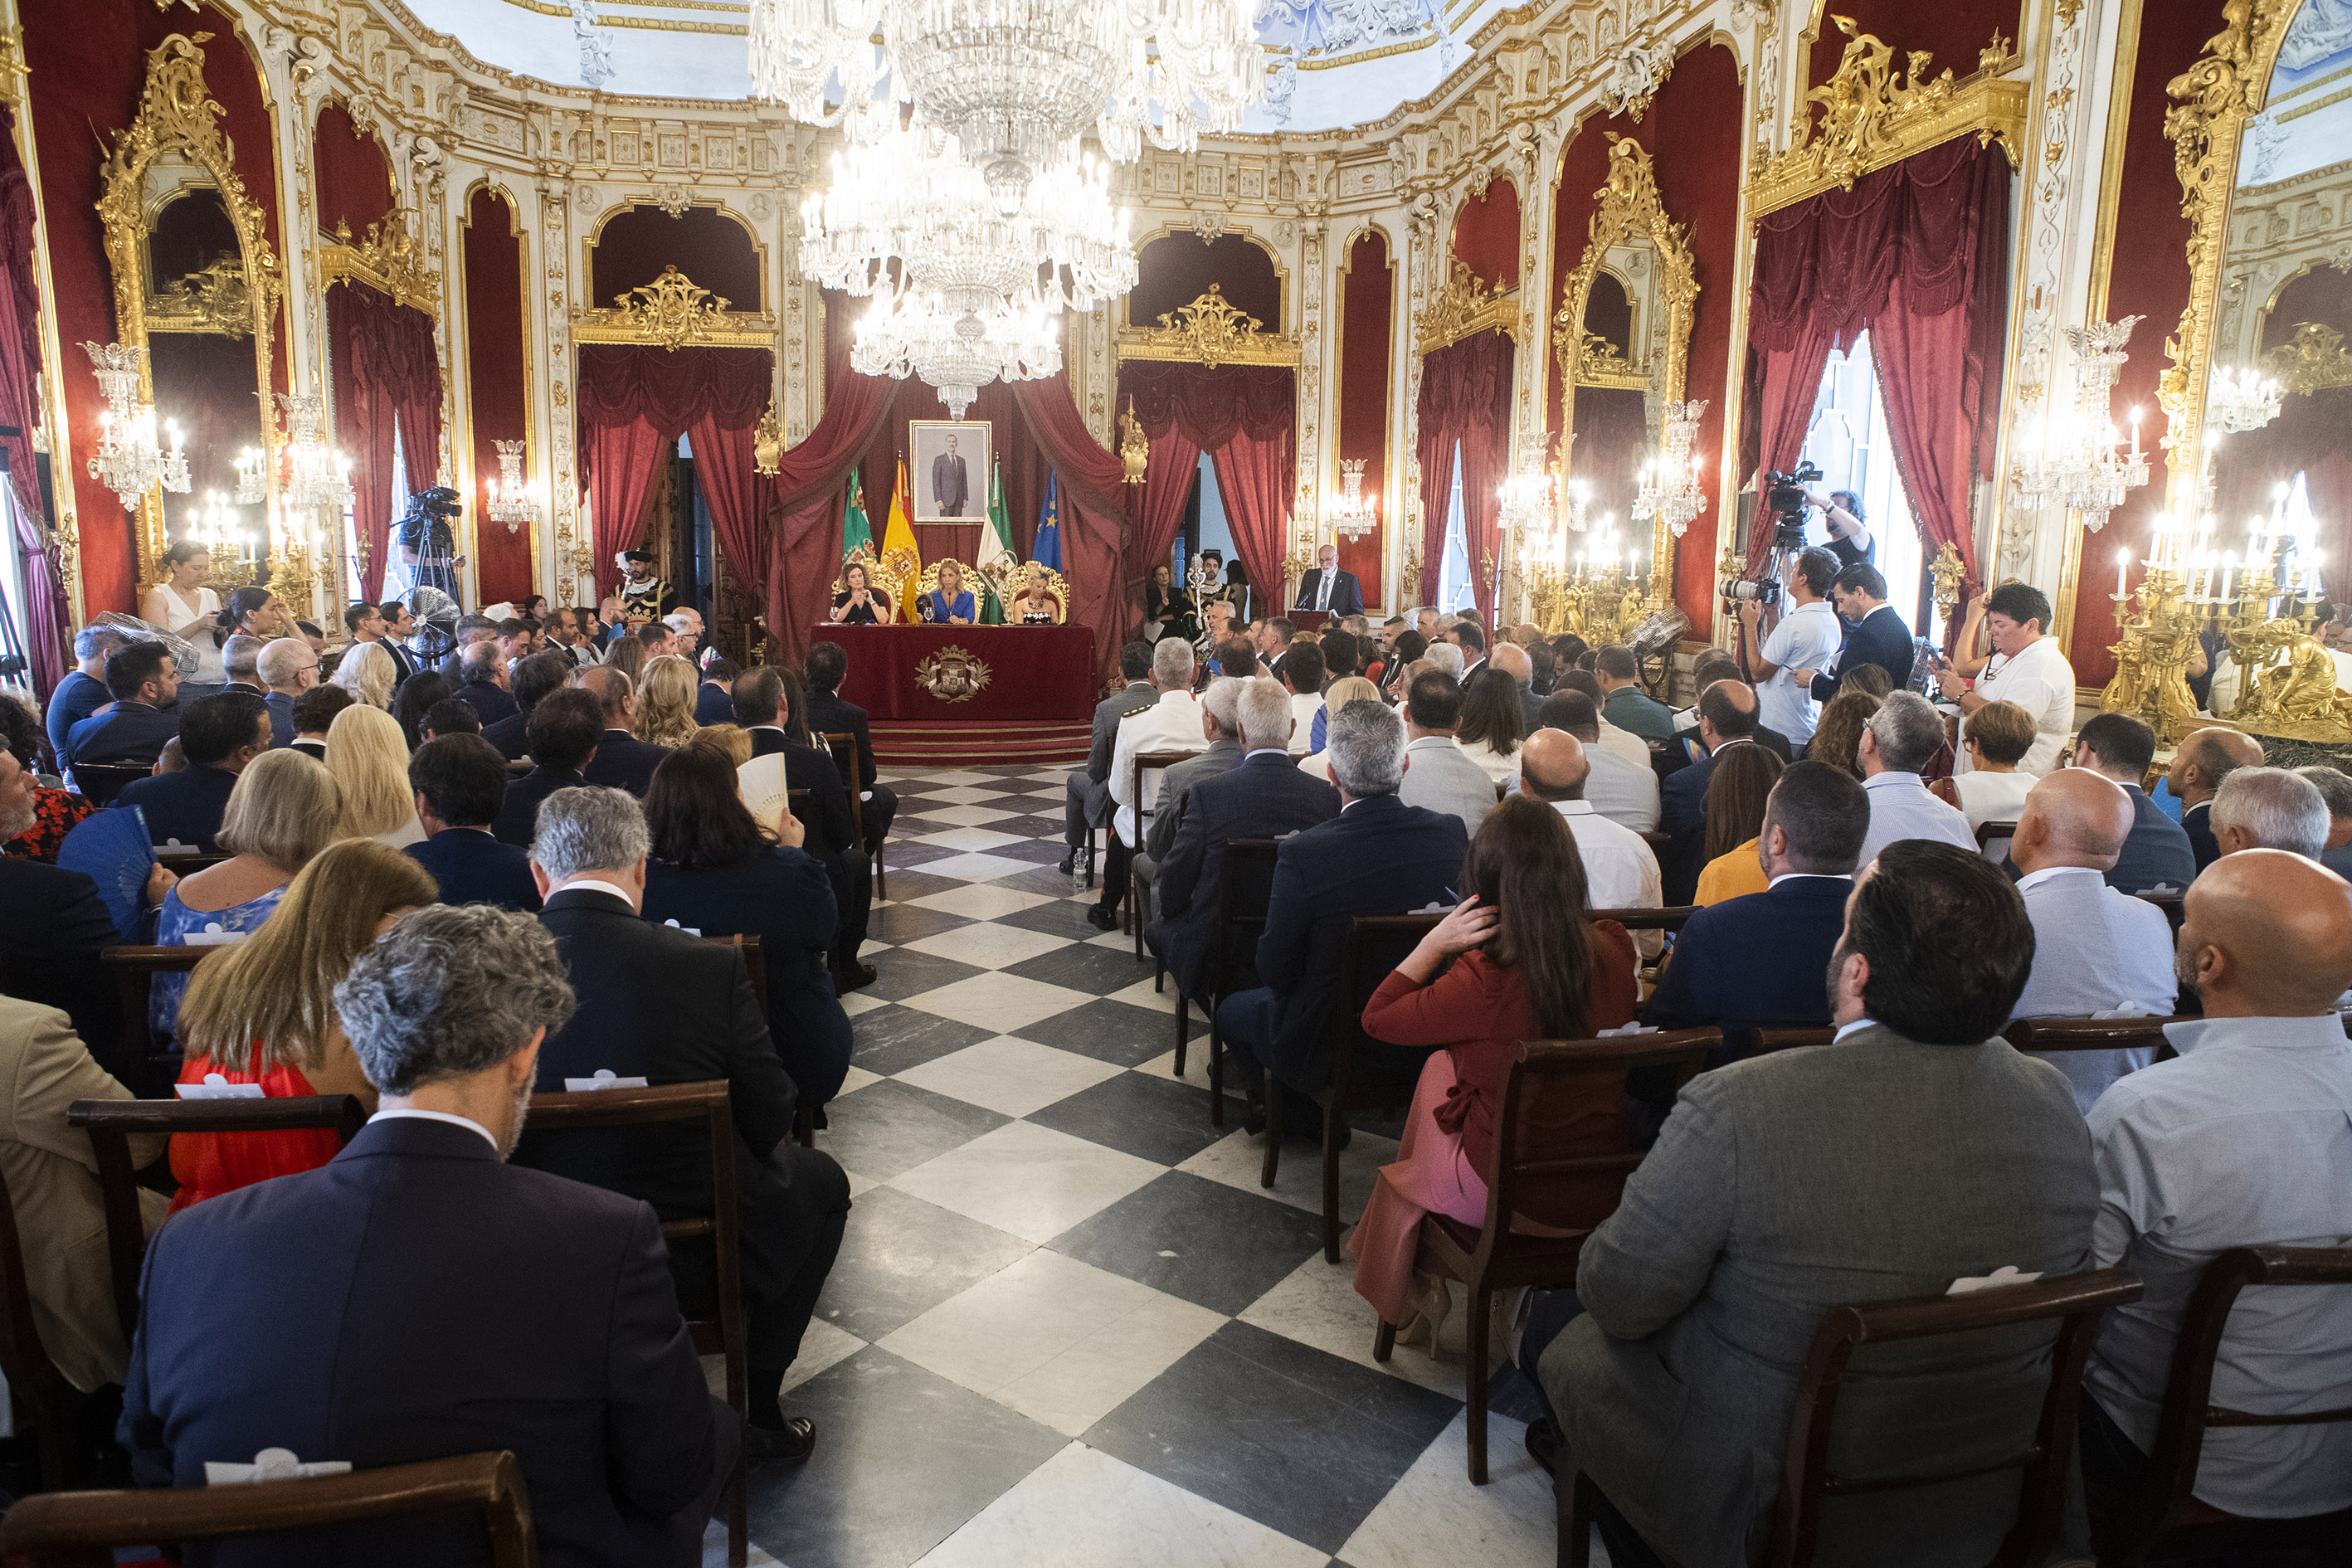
(197, 286)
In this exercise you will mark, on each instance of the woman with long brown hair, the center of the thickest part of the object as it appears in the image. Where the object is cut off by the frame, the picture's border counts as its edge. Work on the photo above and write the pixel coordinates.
(1837, 740)
(1736, 794)
(1527, 963)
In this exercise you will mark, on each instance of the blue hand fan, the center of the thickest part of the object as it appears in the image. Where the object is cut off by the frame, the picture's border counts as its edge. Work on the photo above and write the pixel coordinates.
(111, 848)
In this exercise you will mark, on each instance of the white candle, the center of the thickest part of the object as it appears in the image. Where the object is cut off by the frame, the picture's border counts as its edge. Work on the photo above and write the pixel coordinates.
(2134, 424)
(2122, 567)
(2228, 569)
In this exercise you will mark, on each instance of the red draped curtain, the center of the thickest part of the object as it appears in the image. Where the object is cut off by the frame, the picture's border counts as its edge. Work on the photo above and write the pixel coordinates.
(634, 400)
(1245, 417)
(802, 501)
(385, 370)
(1093, 510)
(1166, 491)
(45, 607)
(1465, 398)
(1917, 255)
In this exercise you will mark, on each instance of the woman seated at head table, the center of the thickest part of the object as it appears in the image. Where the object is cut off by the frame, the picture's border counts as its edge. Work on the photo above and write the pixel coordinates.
(951, 603)
(859, 603)
(1036, 604)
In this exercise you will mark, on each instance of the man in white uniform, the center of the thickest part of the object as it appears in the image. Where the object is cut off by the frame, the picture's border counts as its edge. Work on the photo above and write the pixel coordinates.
(1807, 637)
(2028, 668)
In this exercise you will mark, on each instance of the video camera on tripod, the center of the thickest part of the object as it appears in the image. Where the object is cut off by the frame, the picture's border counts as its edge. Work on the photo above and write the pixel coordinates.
(1785, 494)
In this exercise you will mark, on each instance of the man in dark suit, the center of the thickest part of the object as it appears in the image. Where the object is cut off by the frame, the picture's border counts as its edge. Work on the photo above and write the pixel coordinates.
(314, 714)
(365, 622)
(2157, 853)
(1876, 633)
(288, 667)
(83, 691)
(486, 682)
(1325, 588)
(659, 1003)
(714, 700)
(1378, 857)
(950, 484)
(53, 926)
(461, 783)
(219, 735)
(565, 730)
(453, 1303)
(1263, 796)
(2206, 757)
(622, 761)
(1726, 718)
(141, 679)
(241, 661)
(826, 666)
(1085, 794)
(533, 678)
(762, 706)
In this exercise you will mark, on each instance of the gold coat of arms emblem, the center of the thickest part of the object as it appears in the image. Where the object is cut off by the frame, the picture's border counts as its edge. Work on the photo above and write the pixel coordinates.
(952, 674)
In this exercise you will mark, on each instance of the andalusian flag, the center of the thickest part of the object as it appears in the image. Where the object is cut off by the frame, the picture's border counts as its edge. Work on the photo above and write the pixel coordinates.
(857, 533)
(898, 551)
(1047, 550)
(996, 557)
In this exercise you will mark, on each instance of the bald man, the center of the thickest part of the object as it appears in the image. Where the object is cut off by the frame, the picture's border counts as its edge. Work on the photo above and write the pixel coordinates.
(1512, 659)
(2245, 1138)
(1620, 872)
(2205, 758)
(622, 761)
(2094, 950)
(287, 667)
(1726, 718)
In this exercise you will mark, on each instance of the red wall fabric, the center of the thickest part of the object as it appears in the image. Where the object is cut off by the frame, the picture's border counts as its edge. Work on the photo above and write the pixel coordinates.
(46, 613)
(2149, 277)
(1177, 268)
(1487, 235)
(635, 399)
(352, 176)
(1465, 398)
(704, 243)
(1953, 34)
(88, 63)
(385, 371)
(492, 257)
(1367, 320)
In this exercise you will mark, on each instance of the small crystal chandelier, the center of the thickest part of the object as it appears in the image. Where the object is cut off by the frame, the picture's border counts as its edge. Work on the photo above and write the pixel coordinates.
(252, 476)
(1354, 514)
(1529, 504)
(1671, 486)
(510, 500)
(129, 458)
(216, 526)
(316, 475)
(2079, 461)
(2243, 399)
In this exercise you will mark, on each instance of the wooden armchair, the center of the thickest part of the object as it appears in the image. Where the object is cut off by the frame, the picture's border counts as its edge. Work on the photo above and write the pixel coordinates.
(135, 969)
(1244, 888)
(1144, 811)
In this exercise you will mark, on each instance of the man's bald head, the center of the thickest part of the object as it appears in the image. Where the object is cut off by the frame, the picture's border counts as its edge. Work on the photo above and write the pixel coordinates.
(281, 665)
(2072, 817)
(1726, 712)
(1552, 765)
(612, 689)
(2265, 934)
(1513, 660)
(2208, 756)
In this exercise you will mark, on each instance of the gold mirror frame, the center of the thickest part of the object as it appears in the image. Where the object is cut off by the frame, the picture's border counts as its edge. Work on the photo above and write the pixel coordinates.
(177, 116)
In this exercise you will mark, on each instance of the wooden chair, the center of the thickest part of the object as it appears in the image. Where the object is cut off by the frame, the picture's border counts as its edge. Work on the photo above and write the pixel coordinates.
(43, 1396)
(1244, 888)
(2072, 1302)
(1670, 920)
(1376, 944)
(2170, 903)
(112, 1123)
(1762, 1042)
(2163, 1517)
(1130, 909)
(1547, 1077)
(804, 1118)
(99, 783)
(133, 969)
(2094, 1034)
(722, 1333)
(1988, 832)
(843, 745)
(81, 1530)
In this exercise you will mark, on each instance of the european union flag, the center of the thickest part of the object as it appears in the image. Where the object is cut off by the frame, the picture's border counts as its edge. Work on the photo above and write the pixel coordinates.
(1047, 550)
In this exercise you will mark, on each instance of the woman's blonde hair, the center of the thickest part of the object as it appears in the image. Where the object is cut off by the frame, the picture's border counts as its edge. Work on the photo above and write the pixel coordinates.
(733, 740)
(283, 808)
(666, 698)
(269, 1001)
(628, 656)
(1346, 689)
(366, 671)
(369, 757)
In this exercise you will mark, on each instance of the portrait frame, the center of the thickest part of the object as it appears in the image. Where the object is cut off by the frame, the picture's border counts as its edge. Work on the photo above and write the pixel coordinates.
(927, 440)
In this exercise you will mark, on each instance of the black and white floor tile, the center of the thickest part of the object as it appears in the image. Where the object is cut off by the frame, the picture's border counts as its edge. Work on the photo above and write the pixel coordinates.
(1068, 1326)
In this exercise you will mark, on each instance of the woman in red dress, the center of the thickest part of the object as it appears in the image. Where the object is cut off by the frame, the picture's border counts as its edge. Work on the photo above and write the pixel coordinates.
(1528, 965)
(263, 1011)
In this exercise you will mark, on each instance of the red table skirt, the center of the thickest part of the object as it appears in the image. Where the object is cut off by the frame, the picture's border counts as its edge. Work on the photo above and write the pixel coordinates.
(918, 673)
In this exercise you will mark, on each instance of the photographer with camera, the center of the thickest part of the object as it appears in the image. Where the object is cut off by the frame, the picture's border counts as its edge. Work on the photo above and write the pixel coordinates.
(1806, 636)
(1850, 539)
(428, 542)
(1879, 634)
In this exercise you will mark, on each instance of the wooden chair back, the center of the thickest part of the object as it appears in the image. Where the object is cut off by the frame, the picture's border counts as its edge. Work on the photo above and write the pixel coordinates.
(843, 745)
(1987, 832)
(99, 783)
(81, 1530)
(2089, 1034)
(1136, 767)
(1762, 1042)
(2170, 903)
(1244, 889)
(112, 1124)
(41, 1391)
(803, 1118)
(133, 968)
(1672, 917)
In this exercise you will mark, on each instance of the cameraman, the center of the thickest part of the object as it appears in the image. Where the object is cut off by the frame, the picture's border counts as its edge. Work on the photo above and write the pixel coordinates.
(1806, 637)
(1850, 539)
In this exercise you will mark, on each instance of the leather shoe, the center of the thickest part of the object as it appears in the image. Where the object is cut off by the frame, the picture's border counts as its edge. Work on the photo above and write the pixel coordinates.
(1102, 917)
(791, 1444)
(1545, 1441)
(850, 976)
(1068, 861)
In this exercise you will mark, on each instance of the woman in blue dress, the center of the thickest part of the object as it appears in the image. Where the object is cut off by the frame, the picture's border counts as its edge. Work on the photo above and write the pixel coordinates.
(950, 605)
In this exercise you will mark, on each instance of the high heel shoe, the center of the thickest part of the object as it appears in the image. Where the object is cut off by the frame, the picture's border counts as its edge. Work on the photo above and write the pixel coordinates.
(1432, 1305)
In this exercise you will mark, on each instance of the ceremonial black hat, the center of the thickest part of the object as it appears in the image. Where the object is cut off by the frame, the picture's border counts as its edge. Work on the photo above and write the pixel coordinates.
(644, 555)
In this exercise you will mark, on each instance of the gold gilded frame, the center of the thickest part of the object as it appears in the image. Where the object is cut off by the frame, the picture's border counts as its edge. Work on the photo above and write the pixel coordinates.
(178, 117)
(1212, 331)
(1463, 308)
(671, 313)
(385, 258)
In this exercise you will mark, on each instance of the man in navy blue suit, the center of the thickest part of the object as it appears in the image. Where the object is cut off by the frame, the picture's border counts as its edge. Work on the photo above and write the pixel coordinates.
(453, 1303)
(2156, 854)
(532, 679)
(1378, 857)
(1325, 588)
(714, 700)
(461, 783)
(1876, 633)
(622, 761)
(564, 727)
(288, 667)
(1726, 718)
(141, 679)
(219, 735)
(1263, 797)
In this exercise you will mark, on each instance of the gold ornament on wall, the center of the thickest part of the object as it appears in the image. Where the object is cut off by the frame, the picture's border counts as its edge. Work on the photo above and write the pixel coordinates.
(672, 312)
(213, 298)
(1134, 446)
(768, 443)
(1464, 308)
(385, 259)
(2314, 360)
(1212, 331)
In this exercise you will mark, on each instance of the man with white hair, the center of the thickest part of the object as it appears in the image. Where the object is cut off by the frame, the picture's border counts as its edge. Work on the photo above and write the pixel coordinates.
(2270, 808)
(1446, 656)
(1378, 857)
(287, 667)
(83, 691)
(687, 637)
(1903, 736)
(1171, 725)
(1219, 702)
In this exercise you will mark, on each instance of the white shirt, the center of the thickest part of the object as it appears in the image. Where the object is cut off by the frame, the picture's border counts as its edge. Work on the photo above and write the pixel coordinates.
(1621, 872)
(1626, 793)
(1304, 706)
(1992, 797)
(1497, 766)
(1171, 725)
(2246, 1138)
(2041, 681)
(2095, 950)
(1807, 637)
(1624, 743)
(595, 885)
(454, 1121)
(1901, 807)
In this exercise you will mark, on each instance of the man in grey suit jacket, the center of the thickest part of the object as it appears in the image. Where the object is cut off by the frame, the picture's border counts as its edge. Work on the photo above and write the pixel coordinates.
(1916, 1150)
(1220, 722)
(1086, 795)
(1437, 776)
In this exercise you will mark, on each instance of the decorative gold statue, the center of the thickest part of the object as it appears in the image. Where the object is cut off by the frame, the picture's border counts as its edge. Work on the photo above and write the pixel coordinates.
(2298, 689)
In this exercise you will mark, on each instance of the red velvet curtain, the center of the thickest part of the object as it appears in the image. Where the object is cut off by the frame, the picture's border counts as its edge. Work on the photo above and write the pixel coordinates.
(1093, 510)
(1246, 419)
(385, 370)
(46, 608)
(1917, 253)
(634, 400)
(1465, 396)
(1161, 499)
(802, 501)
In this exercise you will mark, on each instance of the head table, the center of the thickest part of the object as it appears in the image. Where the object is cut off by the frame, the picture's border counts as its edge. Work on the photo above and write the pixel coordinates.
(969, 673)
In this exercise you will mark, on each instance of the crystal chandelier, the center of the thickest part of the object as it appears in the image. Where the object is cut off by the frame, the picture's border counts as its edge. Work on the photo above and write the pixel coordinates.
(252, 477)
(512, 501)
(129, 458)
(316, 475)
(1355, 514)
(2079, 461)
(1527, 504)
(1671, 486)
(2243, 399)
(955, 346)
(216, 526)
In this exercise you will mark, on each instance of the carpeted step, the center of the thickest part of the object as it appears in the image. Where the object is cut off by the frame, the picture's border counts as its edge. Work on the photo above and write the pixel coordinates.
(905, 742)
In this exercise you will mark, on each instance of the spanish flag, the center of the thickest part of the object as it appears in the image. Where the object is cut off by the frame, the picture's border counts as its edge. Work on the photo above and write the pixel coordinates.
(898, 551)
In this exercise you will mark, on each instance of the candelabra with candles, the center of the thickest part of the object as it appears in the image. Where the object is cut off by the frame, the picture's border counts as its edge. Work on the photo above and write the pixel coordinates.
(1672, 490)
(1356, 513)
(1607, 596)
(129, 458)
(2286, 684)
(509, 499)
(2079, 461)
(2157, 629)
(233, 544)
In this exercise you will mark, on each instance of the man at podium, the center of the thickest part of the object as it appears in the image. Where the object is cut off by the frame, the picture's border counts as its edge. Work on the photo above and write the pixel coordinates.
(1328, 589)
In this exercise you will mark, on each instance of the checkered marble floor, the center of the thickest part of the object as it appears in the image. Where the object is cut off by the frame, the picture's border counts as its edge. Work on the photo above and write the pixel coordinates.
(1067, 1326)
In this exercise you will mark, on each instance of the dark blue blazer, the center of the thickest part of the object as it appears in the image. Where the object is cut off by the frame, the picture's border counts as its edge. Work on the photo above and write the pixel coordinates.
(2158, 850)
(491, 701)
(133, 733)
(1379, 857)
(452, 1304)
(519, 818)
(1265, 797)
(186, 805)
(783, 897)
(829, 715)
(76, 696)
(624, 761)
(282, 717)
(473, 868)
(53, 926)
(1881, 639)
(511, 736)
(713, 705)
(1682, 816)
(2197, 827)
(1755, 961)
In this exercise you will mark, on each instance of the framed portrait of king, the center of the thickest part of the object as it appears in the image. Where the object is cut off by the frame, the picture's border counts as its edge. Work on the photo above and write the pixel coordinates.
(949, 470)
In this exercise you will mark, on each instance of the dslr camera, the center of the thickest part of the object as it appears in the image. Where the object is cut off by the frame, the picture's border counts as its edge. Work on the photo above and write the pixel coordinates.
(1785, 494)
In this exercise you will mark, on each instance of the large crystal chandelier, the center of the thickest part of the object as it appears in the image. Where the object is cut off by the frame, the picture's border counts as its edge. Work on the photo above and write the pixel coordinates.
(129, 458)
(2079, 461)
(1671, 486)
(1355, 513)
(316, 475)
(959, 350)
